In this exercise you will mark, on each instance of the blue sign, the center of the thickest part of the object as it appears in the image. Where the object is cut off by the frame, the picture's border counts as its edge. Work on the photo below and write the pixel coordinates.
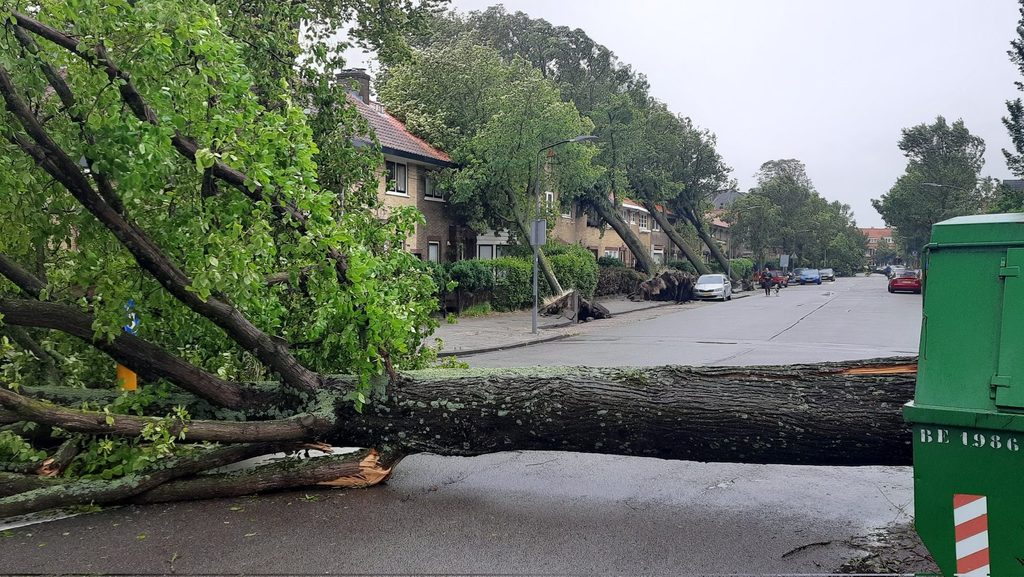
(133, 320)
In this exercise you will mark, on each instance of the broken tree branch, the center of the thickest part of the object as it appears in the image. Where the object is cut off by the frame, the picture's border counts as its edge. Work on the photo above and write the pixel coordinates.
(103, 492)
(296, 428)
(353, 470)
(140, 355)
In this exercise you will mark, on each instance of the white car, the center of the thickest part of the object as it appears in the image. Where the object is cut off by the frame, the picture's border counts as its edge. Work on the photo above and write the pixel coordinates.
(713, 286)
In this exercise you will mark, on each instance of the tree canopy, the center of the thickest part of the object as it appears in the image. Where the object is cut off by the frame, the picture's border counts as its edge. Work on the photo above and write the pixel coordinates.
(784, 214)
(941, 181)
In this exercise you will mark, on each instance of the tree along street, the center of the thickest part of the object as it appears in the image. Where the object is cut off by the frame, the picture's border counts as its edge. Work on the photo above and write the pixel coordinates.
(533, 512)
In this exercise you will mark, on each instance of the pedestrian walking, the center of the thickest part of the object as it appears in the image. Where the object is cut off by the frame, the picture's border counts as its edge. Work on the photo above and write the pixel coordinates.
(766, 281)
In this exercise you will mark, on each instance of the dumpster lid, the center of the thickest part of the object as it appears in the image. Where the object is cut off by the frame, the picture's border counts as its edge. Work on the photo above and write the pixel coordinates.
(979, 229)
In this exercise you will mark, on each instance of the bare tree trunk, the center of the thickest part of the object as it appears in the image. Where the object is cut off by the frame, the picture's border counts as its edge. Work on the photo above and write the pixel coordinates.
(711, 244)
(544, 265)
(826, 414)
(677, 239)
(611, 216)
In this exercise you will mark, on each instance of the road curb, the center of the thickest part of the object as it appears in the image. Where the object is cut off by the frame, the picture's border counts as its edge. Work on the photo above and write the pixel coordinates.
(508, 346)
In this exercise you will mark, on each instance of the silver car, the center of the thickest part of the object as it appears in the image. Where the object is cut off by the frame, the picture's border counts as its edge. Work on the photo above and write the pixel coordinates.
(713, 286)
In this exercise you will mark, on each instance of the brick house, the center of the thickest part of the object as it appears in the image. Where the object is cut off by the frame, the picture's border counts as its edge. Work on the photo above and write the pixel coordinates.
(876, 238)
(407, 178)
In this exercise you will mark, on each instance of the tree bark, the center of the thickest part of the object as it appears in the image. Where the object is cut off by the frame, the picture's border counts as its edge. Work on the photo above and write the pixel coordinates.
(352, 470)
(611, 216)
(826, 414)
(99, 492)
(543, 264)
(712, 245)
(296, 428)
(677, 239)
(133, 352)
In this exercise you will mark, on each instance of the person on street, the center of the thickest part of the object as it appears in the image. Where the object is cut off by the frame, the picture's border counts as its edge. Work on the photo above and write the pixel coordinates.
(766, 281)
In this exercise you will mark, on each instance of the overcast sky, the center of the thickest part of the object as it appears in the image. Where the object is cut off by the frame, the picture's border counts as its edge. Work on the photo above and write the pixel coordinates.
(828, 82)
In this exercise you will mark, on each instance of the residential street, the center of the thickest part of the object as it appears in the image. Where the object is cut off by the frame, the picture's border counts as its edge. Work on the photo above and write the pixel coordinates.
(852, 318)
(529, 513)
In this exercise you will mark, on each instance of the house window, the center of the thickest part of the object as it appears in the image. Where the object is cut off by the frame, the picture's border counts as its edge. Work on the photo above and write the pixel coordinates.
(397, 180)
(658, 254)
(614, 253)
(654, 224)
(644, 221)
(428, 188)
(434, 251)
(632, 217)
(485, 251)
(549, 199)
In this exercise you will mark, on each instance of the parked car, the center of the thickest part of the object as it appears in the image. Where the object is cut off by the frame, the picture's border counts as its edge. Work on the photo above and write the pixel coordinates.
(895, 271)
(794, 275)
(906, 281)
(810, 275)
(713, 286)
(779, 278)
(828, 274)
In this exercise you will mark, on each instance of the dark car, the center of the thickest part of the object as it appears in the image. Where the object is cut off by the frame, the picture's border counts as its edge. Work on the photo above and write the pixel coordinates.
(828, 274)
(906, 281)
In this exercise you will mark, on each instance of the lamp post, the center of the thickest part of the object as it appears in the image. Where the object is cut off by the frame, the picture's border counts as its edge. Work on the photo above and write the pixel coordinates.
(536, 232)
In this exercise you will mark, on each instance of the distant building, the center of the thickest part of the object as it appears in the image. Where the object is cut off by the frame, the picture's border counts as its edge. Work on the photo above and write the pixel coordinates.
(876, 237)
(726, 198)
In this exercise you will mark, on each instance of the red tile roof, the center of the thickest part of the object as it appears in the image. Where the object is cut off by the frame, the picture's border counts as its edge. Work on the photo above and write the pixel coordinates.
(876, 233)
(394, 138)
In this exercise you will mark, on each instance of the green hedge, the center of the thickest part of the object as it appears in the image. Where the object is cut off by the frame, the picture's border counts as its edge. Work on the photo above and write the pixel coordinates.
(742, 267)
(513, 284)
(610, 261)
(683, 265)
(473, 276)
(575, 267)
(613, 280)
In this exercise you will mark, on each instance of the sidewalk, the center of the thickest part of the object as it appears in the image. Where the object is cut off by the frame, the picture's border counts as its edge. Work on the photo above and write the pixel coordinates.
(499, 331)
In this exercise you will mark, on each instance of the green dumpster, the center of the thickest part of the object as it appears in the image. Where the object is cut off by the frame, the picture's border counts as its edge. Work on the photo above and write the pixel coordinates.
(968, 409)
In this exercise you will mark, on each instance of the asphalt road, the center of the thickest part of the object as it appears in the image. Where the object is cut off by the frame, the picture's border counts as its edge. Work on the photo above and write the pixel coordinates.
(551, 513)
(852, 318)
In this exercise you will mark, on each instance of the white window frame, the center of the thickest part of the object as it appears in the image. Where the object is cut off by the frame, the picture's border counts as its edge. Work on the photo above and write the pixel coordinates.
(656, 252)
(644, 221)
(401, 186)
(549, 199)
(613, 253)
(632, 217)
(654, 224)
(436, 247)
(489, 246)
(429, 191)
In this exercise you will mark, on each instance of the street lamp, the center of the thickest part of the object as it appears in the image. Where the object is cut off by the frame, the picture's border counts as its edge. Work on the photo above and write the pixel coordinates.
(539, 225)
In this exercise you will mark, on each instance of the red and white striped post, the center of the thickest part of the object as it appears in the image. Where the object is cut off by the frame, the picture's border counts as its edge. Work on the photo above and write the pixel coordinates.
(970, 518)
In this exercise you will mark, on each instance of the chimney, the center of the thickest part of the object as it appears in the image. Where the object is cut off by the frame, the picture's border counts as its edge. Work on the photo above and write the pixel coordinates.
(357, 82)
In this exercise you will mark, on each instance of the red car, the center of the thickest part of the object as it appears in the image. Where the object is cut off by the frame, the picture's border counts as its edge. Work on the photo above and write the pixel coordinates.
(779, 278)
(906, 281)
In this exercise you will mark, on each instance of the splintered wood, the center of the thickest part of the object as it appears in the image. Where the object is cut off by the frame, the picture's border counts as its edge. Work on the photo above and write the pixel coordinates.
(371, 472)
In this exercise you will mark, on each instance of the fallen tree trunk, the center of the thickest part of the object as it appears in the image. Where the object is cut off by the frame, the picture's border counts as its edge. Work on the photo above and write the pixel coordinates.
(826, 414)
